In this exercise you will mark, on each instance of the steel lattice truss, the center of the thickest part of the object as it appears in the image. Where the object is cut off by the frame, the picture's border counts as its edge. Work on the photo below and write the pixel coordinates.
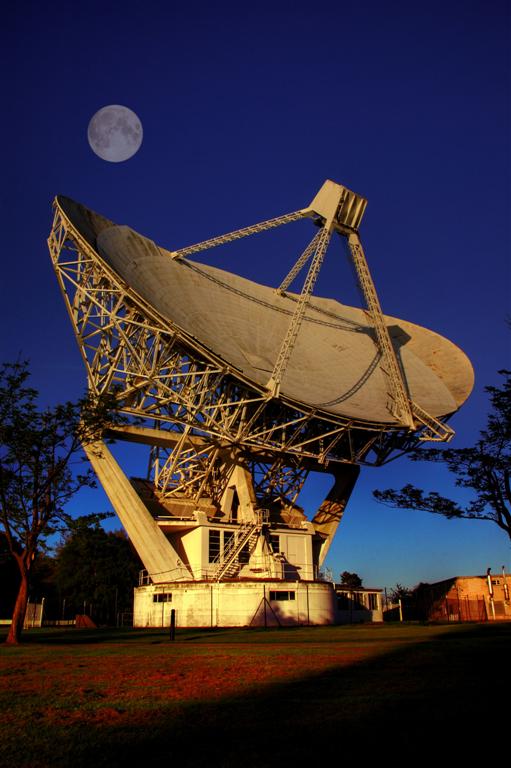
(163, 376)
(281, 481)
(221, 444)
(187, 471)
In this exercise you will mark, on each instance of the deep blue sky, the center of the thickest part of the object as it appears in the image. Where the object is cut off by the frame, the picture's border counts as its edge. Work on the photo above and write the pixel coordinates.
(247, 108)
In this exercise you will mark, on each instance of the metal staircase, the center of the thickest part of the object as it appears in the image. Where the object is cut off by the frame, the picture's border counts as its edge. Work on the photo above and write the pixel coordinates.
(228, 564)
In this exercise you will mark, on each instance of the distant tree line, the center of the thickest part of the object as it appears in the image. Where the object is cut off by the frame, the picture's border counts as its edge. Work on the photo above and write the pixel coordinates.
(350, 580)
(92, 571)
(41, 470)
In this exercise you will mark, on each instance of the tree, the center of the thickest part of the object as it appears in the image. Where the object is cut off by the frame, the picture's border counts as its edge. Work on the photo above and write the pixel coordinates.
(97, 569)
(484, 468)
(399, 592)
(351, 580)
(9, 578)
(39, 451)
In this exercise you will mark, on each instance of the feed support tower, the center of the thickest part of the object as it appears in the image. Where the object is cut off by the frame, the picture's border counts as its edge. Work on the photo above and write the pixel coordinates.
(239, 391)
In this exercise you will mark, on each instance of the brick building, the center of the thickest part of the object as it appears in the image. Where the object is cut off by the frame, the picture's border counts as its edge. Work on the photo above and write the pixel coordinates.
(466, 598)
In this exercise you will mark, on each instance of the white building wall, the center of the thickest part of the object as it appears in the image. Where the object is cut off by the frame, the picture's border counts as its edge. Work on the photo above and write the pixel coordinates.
(295, 554)
(235, 604)
(293, 563)
(195, 546)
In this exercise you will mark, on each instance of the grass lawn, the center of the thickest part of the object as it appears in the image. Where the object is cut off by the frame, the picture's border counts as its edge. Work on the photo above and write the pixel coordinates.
(252, 697)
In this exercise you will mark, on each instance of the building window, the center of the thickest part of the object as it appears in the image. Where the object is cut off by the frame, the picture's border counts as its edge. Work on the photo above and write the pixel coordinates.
(275, 543)
(281, 595)
(162, 597)
(214, 546)
(343, 601)
(358, 601)
(228, 539)
(373, 602)
(244, 555)
(235, 506)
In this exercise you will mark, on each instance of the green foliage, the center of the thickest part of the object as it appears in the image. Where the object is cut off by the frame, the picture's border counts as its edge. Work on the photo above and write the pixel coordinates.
(96, 569)
(40, 467)
(485, 469)
(37, 452)
(399, 592)
(351, 580)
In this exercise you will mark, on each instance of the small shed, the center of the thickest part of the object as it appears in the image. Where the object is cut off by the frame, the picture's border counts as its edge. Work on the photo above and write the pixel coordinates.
(355, 605)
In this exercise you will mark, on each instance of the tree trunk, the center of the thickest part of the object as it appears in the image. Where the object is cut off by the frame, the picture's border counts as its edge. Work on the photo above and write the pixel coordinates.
(20, 609)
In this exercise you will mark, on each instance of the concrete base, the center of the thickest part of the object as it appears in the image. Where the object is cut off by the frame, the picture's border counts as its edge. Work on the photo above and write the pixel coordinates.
(235, 604)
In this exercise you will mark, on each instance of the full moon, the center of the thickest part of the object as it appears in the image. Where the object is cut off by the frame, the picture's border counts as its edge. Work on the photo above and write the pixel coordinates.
(115, 133)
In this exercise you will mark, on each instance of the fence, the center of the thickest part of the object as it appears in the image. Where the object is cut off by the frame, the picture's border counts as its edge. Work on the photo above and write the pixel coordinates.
(459, 609)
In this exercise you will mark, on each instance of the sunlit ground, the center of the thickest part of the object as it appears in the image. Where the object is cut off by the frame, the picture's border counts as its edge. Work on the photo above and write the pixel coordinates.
(247, 697)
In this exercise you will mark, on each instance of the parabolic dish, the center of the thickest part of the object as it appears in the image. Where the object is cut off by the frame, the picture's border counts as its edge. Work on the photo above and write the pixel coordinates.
(335, 364)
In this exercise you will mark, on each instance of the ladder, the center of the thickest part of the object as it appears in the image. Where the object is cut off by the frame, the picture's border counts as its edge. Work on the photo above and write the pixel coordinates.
(402, 407)
(399, 405)
(228, 564)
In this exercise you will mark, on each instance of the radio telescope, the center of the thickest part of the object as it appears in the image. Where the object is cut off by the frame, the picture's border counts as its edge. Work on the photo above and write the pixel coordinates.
(239, 391)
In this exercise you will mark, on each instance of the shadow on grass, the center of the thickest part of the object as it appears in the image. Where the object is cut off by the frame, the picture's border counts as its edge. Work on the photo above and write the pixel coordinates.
(439, 698)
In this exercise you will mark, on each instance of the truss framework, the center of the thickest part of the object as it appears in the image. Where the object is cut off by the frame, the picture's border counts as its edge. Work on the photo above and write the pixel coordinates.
(207, 413)
(188, 471)
(279, 482)
(213, 432)
(337, 208)
(159, 373)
